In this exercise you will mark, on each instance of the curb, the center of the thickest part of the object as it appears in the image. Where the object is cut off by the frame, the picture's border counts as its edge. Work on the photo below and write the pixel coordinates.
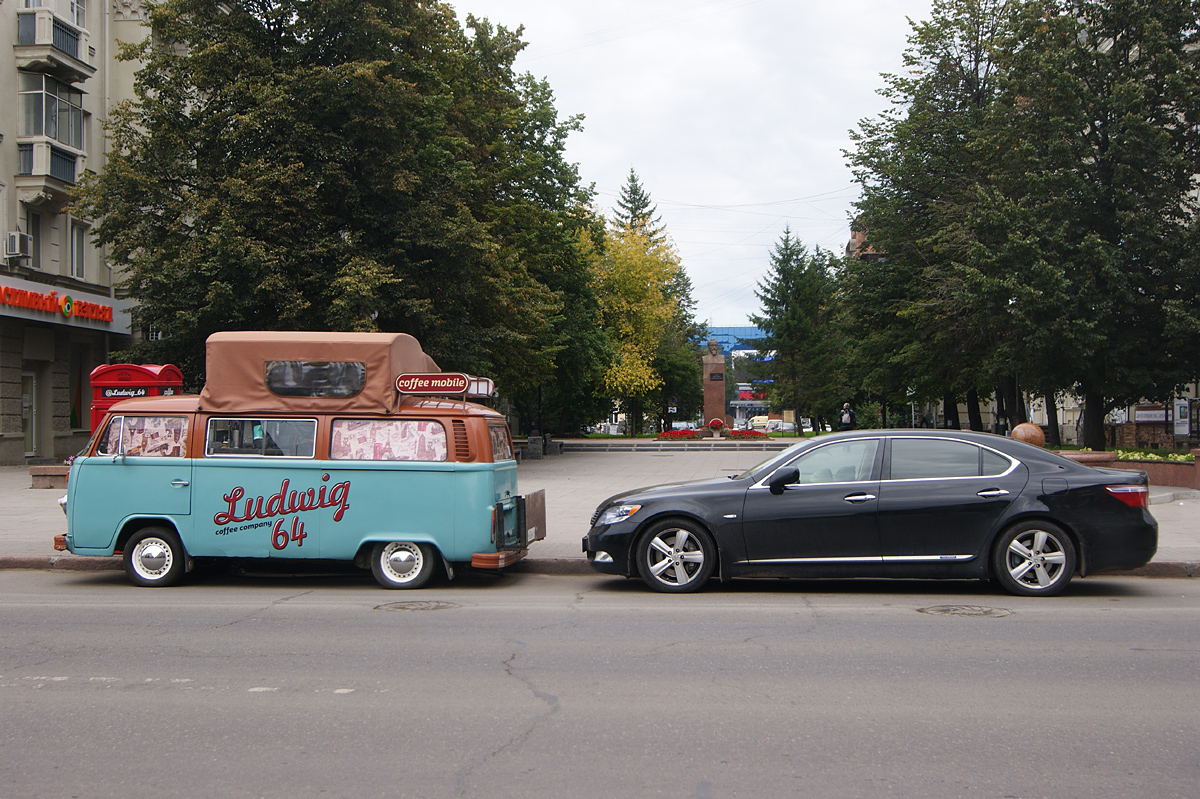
(558, 567)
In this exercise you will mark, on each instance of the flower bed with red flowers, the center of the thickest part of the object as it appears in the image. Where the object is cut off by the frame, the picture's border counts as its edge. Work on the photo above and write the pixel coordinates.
(716, 425)
(677, 435)
(742, 435)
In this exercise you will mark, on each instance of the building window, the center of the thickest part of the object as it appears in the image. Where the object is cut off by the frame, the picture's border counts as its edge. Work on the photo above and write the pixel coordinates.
(51, 108)
(32, 224)
(78, 239)
(78, 13)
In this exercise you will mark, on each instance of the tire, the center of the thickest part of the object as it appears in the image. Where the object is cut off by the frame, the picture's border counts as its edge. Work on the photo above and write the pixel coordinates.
(676, 556)
(154, 557)
(1034, 559)
(402, 564)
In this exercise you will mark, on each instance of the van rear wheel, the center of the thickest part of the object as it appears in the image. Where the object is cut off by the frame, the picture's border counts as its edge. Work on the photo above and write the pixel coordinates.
(402, 564)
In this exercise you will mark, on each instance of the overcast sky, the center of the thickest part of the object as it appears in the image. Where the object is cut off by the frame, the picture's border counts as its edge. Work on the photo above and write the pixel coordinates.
(734, 113)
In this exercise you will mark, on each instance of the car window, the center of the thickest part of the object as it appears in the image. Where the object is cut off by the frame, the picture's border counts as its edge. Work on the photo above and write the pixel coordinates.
(843, 462)
(994, 463)
(263, 438)
(387, 440)
(921, 458)
(502, 449)
(145, 436)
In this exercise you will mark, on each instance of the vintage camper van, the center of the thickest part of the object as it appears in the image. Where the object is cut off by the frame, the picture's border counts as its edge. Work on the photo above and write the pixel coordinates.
(331, 446)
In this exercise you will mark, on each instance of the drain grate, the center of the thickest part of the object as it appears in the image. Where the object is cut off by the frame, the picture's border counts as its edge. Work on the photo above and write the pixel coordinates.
(418, 605)
(966, 610)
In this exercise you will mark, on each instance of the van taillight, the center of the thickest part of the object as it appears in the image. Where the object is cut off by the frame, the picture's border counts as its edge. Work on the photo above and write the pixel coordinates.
(1133, 496)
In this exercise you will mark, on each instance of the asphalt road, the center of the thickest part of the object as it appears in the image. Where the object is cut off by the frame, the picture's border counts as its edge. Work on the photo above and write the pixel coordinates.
(530, 685)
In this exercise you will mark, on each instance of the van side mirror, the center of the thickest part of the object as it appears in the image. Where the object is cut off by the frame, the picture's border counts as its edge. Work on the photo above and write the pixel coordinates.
(783, 476)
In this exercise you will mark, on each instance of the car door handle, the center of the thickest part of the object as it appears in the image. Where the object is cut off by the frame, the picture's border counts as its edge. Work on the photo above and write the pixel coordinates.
(993, 492)
(856, 498)
(180, 483)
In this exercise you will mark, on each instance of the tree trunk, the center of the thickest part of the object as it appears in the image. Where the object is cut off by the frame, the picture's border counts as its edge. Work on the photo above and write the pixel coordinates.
(950, 411)
(1093, 421)
(1053, 436)
(1001, 410)
(974, 417)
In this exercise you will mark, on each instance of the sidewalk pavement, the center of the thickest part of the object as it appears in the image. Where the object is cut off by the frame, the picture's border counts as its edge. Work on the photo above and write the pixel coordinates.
(575, 483)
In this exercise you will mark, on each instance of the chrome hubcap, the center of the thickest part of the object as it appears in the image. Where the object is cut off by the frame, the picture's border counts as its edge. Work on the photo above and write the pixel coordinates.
(401, 561)
(152, 558)
(1036, 559)
(675, 557)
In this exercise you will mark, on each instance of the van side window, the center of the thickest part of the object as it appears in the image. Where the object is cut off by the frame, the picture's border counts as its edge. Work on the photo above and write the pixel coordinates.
(387, 440)
(145, 436)
(502, 449)
(315, 378)
(264, 438)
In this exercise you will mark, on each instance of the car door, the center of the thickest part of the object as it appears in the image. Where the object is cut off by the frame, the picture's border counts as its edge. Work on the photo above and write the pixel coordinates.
(940, 501)
(825, 523)
(139, 470)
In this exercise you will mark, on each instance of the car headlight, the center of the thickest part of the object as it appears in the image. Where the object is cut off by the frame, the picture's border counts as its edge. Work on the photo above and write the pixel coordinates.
(617, 513)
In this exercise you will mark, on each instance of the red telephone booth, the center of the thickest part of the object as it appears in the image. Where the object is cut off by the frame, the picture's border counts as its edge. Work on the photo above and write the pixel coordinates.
(114, 382)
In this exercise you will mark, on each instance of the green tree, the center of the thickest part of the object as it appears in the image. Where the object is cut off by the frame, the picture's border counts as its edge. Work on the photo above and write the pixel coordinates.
(1098, 196)
(801, 350)
(636, 211)
(347, 165)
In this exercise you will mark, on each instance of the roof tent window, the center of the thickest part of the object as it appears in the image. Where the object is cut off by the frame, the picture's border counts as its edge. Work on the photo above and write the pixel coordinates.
(316, 378)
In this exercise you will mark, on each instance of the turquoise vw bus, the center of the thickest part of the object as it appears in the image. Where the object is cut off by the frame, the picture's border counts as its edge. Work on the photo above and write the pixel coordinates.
(330, 446)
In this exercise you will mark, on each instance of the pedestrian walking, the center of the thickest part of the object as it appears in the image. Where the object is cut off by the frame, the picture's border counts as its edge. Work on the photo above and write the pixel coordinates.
(846, 418)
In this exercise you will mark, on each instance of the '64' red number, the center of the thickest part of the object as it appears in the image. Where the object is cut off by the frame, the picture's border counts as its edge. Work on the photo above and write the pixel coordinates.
(280, 535)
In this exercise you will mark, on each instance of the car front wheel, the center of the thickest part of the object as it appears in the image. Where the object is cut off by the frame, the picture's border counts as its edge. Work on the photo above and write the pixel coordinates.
(1034, 559)
(154, 557)
(676, 556)
(402, 564)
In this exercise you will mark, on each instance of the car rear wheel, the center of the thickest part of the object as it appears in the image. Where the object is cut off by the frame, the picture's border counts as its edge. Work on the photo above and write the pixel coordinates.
(676, 556)
(153, 557)
(1034, 559)
(402, 564)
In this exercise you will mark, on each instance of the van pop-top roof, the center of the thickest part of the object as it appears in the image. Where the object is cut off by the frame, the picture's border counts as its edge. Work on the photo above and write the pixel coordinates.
(308, 372)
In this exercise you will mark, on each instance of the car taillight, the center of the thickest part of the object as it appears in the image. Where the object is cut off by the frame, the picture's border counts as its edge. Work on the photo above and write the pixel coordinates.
(1133, 496)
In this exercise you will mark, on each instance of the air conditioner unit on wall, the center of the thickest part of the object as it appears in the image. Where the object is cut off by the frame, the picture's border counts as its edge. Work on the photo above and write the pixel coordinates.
(18, 245)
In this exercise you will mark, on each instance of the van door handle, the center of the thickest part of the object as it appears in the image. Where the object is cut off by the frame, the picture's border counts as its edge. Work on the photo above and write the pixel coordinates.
(856, 498)
(993, 492)
(180, 483)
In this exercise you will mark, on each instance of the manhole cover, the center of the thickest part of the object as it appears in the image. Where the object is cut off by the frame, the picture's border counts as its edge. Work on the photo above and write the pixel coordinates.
(965, 610)
(418, 606)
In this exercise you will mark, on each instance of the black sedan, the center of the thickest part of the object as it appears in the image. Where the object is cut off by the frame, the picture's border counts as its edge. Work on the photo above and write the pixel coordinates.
(884, 503)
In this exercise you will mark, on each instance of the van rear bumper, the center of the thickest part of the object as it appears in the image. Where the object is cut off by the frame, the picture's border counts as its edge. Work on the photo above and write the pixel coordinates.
(497, 560)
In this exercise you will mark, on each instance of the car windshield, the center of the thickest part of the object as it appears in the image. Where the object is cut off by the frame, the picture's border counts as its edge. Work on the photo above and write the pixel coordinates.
(783, 456)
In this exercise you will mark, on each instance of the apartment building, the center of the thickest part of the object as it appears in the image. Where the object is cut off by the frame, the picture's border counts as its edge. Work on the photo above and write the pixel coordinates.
(59, 313)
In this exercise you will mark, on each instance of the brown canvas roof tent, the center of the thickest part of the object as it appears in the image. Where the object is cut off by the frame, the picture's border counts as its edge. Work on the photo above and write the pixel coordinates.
(237, 364)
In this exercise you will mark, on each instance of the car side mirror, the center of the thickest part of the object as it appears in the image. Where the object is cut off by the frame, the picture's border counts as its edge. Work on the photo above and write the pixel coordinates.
(781, 477)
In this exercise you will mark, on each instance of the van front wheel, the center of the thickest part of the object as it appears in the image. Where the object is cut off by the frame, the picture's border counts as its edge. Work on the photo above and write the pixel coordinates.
(154, 556)
(402, 564)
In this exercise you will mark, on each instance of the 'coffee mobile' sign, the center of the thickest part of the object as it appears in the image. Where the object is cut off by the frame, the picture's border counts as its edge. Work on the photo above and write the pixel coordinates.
(440, 383)
(433, 383)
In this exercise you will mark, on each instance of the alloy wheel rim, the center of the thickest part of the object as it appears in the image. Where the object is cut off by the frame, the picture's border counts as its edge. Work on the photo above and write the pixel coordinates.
(1036, 559)
(675, 557)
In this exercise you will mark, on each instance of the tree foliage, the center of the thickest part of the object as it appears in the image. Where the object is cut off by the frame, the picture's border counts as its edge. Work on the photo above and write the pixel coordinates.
(350, 166)
(802, 353)
(1033, 191)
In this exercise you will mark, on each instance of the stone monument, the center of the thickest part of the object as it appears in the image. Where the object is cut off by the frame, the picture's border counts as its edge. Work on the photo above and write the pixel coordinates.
(713, 371)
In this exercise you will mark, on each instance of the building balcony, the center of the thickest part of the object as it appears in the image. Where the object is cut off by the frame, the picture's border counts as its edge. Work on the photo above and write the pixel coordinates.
(46, 174)
(48, 43)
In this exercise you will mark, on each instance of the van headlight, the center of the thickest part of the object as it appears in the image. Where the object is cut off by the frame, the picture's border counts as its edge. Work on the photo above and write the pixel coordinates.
(617, 513)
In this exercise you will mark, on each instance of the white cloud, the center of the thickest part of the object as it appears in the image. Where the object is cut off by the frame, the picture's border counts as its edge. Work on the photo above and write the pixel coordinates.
(734, 113)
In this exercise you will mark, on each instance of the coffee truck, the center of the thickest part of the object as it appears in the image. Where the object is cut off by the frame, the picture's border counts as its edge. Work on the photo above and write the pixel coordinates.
(330, 446)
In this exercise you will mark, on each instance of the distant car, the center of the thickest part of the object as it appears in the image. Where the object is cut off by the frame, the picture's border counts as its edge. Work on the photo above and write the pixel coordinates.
(780, 426)
(683, 425)
(884, 503)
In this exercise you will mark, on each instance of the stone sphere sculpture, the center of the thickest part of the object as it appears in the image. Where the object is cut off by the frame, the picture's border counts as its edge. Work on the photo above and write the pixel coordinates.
(1030, 434)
